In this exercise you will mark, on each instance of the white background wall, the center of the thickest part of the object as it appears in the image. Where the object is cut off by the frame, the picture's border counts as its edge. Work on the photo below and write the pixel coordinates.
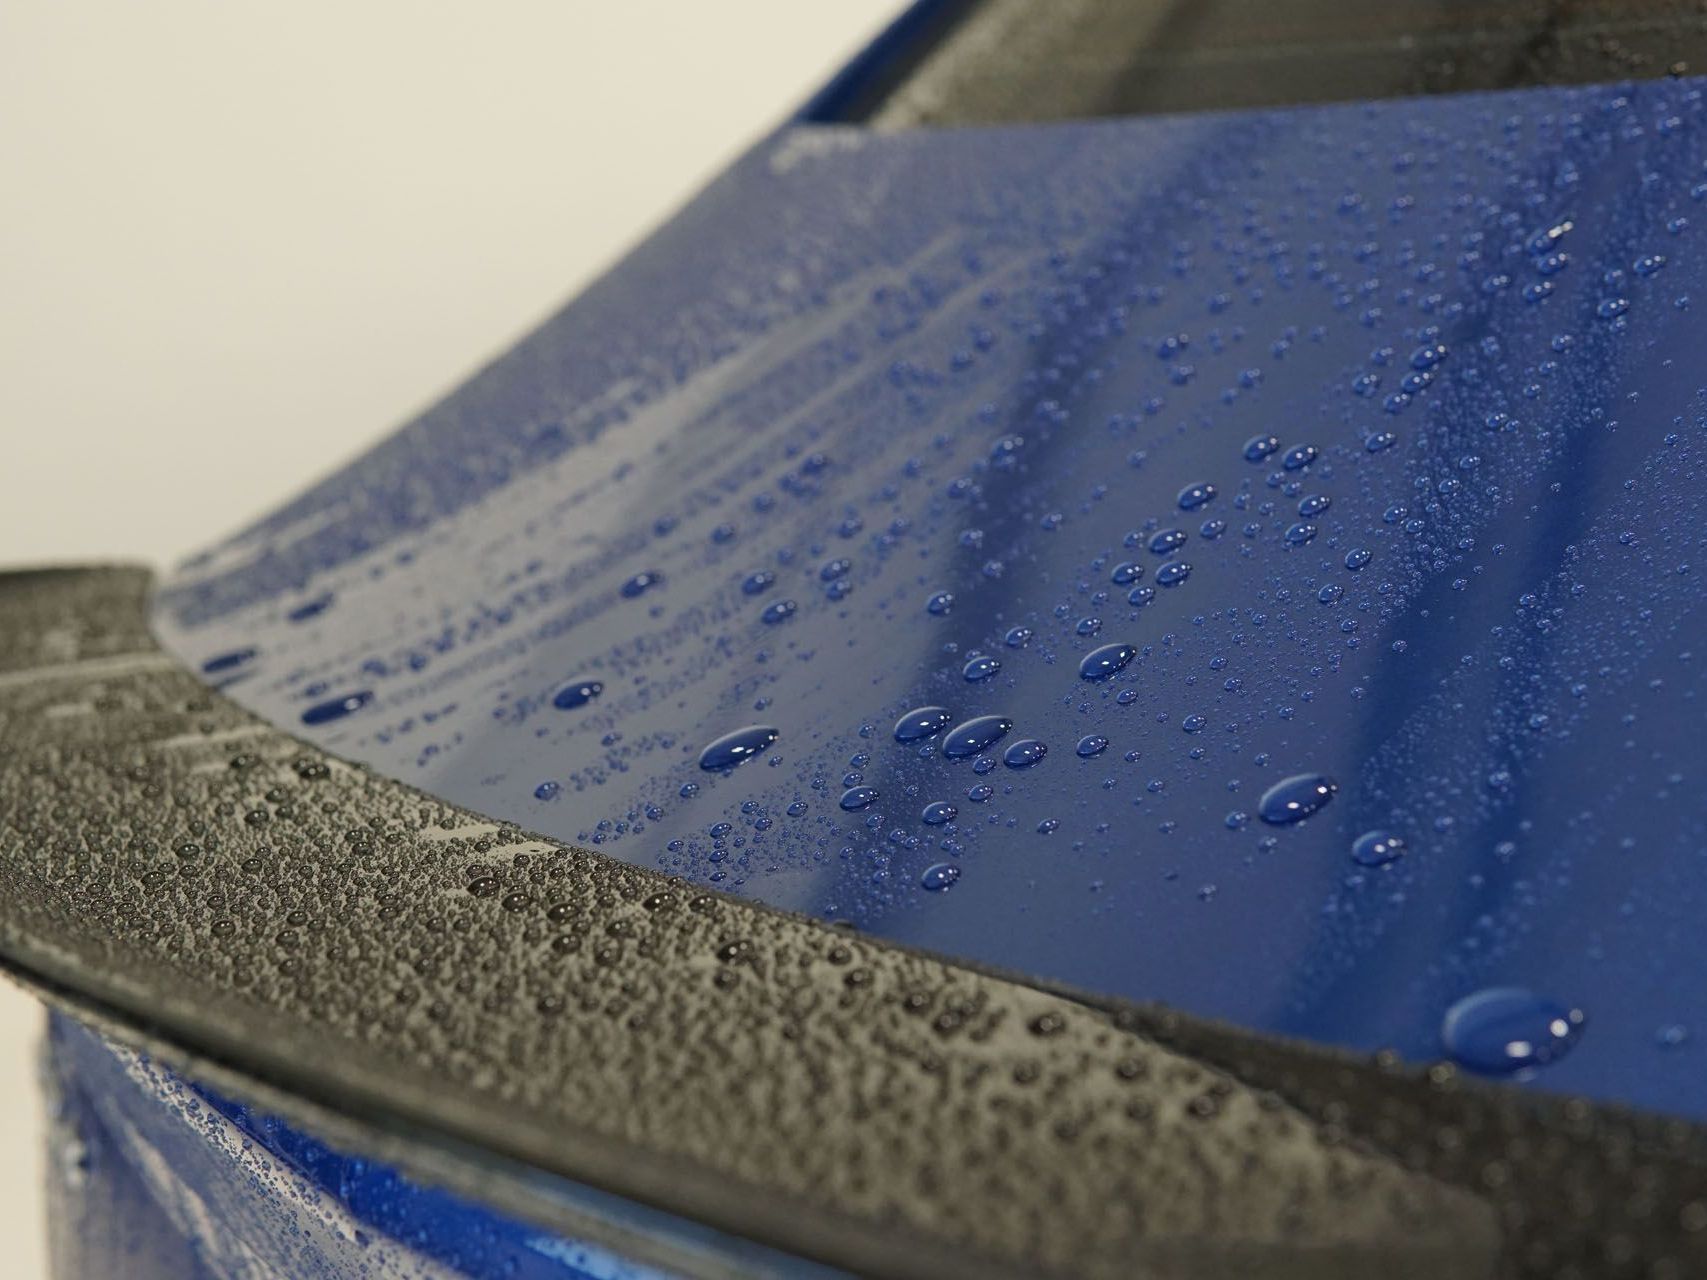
(239, 242)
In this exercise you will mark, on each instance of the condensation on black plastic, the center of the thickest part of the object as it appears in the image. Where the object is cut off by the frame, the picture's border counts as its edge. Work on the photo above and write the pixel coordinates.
(1014, 61)
(483, 1006)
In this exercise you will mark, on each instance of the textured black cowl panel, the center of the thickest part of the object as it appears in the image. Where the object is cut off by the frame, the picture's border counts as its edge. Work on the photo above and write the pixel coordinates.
(486, 1007)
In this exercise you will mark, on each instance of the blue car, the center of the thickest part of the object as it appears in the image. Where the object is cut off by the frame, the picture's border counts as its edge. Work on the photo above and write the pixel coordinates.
(1090, 665)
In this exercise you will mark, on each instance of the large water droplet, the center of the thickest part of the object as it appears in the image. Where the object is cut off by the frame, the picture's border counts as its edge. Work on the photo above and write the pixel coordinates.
(337, 708)
(856, 798)
(1377, 848)
(938, 812)
(975, 735)
(1500, 1030)
(1100, 664)
(921, 723)
(577, 693)
(1024, 753)
(734, 748)
(1194, 496)
(1296, 798)
(939, 877)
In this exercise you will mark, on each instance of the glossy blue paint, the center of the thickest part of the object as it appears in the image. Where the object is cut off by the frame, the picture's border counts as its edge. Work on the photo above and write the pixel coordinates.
(982, 366)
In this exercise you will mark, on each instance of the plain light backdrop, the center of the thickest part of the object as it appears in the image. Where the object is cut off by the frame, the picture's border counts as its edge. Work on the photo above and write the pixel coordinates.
(240, 242)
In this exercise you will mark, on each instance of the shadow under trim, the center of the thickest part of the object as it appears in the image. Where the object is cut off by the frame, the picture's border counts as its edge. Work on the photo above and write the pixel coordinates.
(552, 1031)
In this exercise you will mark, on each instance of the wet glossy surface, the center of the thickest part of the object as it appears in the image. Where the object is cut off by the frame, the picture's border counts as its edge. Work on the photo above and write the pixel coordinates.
(1446, 555)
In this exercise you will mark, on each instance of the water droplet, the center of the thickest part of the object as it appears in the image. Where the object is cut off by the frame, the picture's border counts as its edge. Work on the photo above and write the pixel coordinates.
(1194, 496)
(734, 748)
(980, 667)
(1501, 1030)
(1138, 597)
(1172, 574)
(1100, 664)
(778, 611)
(1314, 505)
(855, 798)
(1259, 447)
(973, 736)
(1296, 798)
(641, 583)
(227, 661)
(1428, 355)
(1648, 264)
(1298, 457)
(980, 793)
(939, 877)
(546, 791)
(1126, 573)
(1297, 534)
(1377, 848)
(1357, 558)
(921, 723)
(758, 582)
(312, 609)
(1017, 637)
(1194, 723)
(1168, 541)
(940, 603)
(938, 812)
(577, 693)
(1380, 441)
(337, 708)
(1024, 753)
(1092, 744)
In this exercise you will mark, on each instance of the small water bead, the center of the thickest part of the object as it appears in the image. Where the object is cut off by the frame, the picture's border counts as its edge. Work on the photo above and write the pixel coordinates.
(1330, 593)
(939, 877)
(1298, 534)
(1314, 505)
(980, 793)
(778, 612)
(856, 798)
(797, 809)
(969, 738)
(577, 693)
(312, 609)
(227, 661)
(939, 813)
(1138, 597)
(1092, 744)
(940, 603)
(1194, 723)
(735, 748)
(546, 791)
(1126, 573)
(1173, 573)
(1428, 355)
(1296, 798)
(1357, 558)
(921, 723)
(337, 708)
(1088, 626)
(834, 569)
(1194, 496)
(1210, 530)
(1259, 447)
(1168, 541)
(1110, 659)
(1024, 753)
(1501, 1030)
(1648, 264)
(758, 582)
(1381, 440)
(641, 583)
(1298, 457)
(980, 667)
(1377, 848)
(1612, 308)
(1017, 637)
